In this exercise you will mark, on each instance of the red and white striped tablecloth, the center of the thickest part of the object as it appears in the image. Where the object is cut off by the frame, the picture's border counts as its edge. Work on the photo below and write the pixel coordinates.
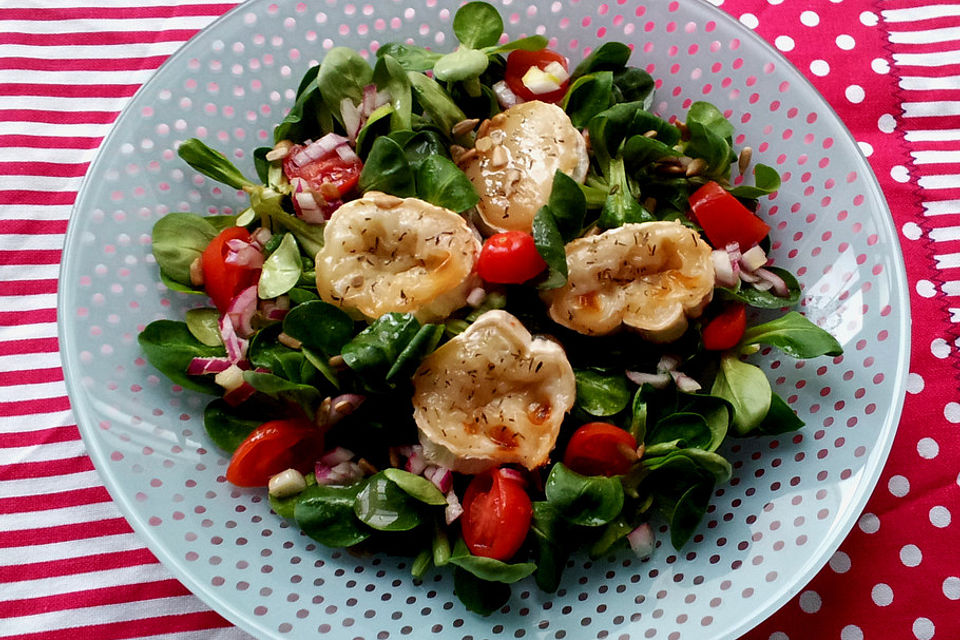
(71, 567)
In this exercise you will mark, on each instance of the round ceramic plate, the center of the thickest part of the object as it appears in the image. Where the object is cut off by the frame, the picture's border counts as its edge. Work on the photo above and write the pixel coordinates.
(791, 500)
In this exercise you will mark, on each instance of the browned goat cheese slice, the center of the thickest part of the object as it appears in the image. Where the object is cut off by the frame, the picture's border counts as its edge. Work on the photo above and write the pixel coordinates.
(492, 395)
(382, 253)
(648, 277)
(517, 153)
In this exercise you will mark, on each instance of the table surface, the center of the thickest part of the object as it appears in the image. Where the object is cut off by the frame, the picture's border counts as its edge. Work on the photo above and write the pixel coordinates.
(69, 562)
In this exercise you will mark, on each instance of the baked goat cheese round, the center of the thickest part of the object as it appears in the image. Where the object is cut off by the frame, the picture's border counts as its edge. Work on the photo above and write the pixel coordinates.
(492, 395)
(386, 254)
(649, 277)
(517, 153)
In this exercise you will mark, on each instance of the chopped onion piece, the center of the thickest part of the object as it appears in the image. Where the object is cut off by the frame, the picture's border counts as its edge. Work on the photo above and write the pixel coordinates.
(476, 297)
(723, 268)
(779, 285)
(241, 310)
(336, 455)
(505, 96)
(351, 118)
(261, 236)
(383, 97)
(236, 346)
(321, 147)
(369, 102)
(453, 510)
(513, 474)
(655, 380)
(441, 477)
(230, 378)
(213, 364)
(343, 473)
(750, 277)
(642, 540)
(346, 153)
(684, 382)
(668, 363)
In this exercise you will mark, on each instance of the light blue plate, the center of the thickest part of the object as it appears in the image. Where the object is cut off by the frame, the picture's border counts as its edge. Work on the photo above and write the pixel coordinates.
(792, 499)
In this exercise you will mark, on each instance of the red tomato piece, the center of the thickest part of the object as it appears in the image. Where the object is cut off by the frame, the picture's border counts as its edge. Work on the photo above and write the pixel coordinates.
(724, 219)
(273, 447)
(600, 449)
(510, 257)
(331, 168)
(725, 330)
(519, 62)
(223, 281)
(496, 515)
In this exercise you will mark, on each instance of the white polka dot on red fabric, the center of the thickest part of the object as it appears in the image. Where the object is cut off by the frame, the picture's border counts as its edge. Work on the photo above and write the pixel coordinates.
(778, 635)
(855, 93)
(866, 148)
(881, 594)
(869, 19)
(900, 173)
(923, 629)
(926, 289)
(912, 231)
(810, 601)
(846, 42)
(899, 486)
(840, 562)
(951, 588)
(869, 523)
(928, 448)
(810, 18)
(784, 43)
(880, 65)
(749, 20)
(951, 411)
(851, 632)
(940, 348)
(910, 555)
(915, 383)
(940, 517)
(887, 123)
(819, 68)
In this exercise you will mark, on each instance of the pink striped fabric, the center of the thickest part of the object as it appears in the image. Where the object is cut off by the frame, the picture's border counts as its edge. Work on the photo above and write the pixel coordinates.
(71, 567)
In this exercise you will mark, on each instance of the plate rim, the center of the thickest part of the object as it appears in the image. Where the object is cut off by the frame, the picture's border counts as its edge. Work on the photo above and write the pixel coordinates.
(842, 526)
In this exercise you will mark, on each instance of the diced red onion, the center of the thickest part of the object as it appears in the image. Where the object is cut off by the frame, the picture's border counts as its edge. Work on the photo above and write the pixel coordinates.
(336, 455)
(369, 102)
(514, 475)
(247, 255)
(306, 207)
(724, 268)
(441, 477)
(668, 363)
(684, 382)
(213, 364)
(476, 296)
(321, 147)
(236, 346)
(241, 310)
(505, 96)
(351, 118)
(779, 285)
(733, 249)
(343, 473)
(261, 236)
(763, 285)
(655, 380)
(383, 97)
(346, 153)
(748, 277)
(453, 510)
(416, 463)
(642, 540)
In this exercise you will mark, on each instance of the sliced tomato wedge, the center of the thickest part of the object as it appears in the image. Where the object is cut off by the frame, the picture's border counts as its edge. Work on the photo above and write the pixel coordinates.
(223, 281)
(496, 515)
(725, 330)
(519, 62)
(510, 257)
(330, 168)
(600, 449)
(273, 447)
(724, 219)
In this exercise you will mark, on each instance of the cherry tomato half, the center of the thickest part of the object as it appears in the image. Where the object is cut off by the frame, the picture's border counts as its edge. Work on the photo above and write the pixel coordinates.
(518, 62)
(223, 281)
(600, 449)
(724, 219)
(725, 330)
(510, 257)
(343, 174)
(496, 515)
(274, 447)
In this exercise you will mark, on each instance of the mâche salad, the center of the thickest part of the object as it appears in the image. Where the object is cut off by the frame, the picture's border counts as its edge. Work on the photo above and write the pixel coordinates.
(484, 309)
